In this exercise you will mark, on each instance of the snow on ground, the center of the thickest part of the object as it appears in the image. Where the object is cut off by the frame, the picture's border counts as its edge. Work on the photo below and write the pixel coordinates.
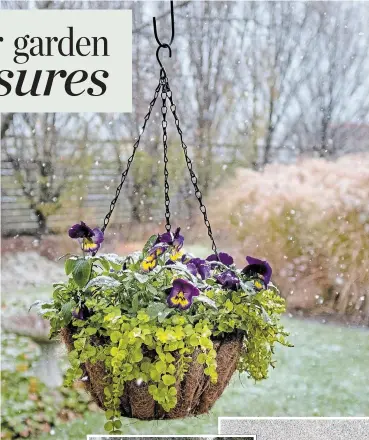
(22, 270)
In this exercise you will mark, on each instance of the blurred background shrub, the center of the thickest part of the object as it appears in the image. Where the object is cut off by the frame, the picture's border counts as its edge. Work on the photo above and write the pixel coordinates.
(311, 221)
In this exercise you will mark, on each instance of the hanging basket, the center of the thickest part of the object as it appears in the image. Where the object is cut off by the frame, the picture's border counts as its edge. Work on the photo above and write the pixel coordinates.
(195, 393)
(158, 334)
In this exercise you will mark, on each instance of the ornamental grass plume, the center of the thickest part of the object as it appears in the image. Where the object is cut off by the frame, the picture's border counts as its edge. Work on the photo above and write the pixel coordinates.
(311, 221)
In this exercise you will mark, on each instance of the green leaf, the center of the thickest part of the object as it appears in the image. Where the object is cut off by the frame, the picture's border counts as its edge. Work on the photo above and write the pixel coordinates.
(150, 288)
(115, 336)
(104, 263)
(206, 300)
(205, 342)
(115, 261)
(66, 312)
(169, 358)
(155, 309)
(229, 305)
(109, 414)
(107, 392)
(40, 305)
(155, 375)
(182, 268)
(91, 330)
(168, 379)
(164, 314)
(137, 356)
(161, 367)
(135, 303)
(149, 244)
(172, 391)
(103, 281)
(201, 358)
(265, 316)
(79, 343)
(108, 426)
(81, 272)
(248, 287)
(141, 277)
(153, 389)
(69, 265)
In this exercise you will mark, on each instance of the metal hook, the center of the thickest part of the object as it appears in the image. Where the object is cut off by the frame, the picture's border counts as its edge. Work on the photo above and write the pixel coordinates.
(156, 32)
(165, 46)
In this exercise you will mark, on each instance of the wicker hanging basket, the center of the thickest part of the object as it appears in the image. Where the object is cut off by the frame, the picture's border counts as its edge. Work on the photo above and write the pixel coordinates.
(195, 394)
(193, 386)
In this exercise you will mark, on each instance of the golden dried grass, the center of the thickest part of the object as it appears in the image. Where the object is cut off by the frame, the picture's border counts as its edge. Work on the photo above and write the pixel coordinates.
(311, 221)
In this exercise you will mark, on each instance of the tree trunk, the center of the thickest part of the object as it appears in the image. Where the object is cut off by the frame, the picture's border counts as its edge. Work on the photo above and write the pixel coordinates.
(6, 120)
(42, 228)
(269, 137)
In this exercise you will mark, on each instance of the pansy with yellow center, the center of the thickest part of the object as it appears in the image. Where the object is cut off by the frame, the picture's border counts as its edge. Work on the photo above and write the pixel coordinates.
(151, 261)
(175, 240)
(258, 284)
(176, 255)
(89, 239)
(182, 293)
(259, 270)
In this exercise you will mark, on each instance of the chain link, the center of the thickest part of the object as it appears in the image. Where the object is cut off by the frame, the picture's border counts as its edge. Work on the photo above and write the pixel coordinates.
(130, 159)
(166, 94)
(164, 124)
(194, 179)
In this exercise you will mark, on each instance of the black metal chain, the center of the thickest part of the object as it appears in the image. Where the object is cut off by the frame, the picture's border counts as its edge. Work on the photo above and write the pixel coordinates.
(194, 178)
(164, 123)
(166, 93)
(130, 159)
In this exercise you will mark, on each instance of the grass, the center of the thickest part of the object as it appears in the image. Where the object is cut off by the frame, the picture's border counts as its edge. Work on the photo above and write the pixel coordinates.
(325, 374)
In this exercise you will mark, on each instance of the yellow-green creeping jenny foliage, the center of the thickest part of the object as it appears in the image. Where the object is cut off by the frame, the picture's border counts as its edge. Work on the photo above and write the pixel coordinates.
(118, 314)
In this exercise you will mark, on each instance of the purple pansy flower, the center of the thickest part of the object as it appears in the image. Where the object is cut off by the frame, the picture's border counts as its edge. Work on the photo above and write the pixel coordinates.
(89, 239)
(228, 280)
(81, 313)
(158, 250)
(80, 230)
(182, 293)
(258, 268)
(185, 258)
(199, 266)
(151, 261)
(223, 257)
(176, 240)
(167, 237)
